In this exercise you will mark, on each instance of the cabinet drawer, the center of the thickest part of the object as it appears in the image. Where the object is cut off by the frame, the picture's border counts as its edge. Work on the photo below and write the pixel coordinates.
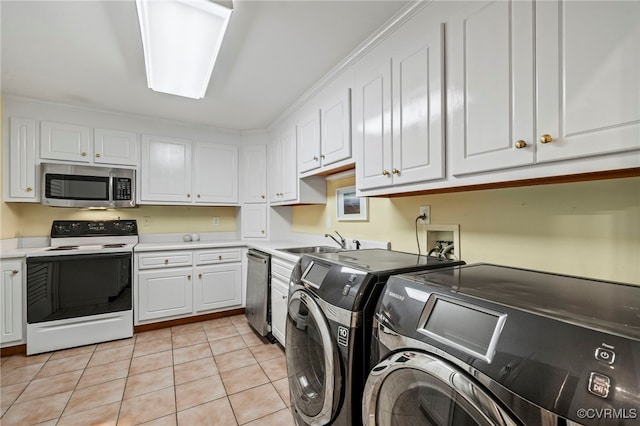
(281, 268)
(204, 257)
(168, 259)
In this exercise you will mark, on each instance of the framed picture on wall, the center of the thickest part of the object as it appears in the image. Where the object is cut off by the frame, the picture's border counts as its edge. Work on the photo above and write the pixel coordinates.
(349, 206)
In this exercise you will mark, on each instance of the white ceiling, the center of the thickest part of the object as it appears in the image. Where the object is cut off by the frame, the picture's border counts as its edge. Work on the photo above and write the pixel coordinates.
(89, 53)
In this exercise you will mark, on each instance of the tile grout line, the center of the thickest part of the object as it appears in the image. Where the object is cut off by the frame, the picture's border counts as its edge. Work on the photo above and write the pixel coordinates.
(239, 328)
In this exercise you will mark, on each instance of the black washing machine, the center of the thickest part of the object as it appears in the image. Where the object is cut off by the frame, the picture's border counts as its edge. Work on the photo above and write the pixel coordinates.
(332, 298)
(492, 345)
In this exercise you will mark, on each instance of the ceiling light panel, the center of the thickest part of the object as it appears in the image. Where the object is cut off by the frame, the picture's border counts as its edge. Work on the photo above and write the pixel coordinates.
(181, 40)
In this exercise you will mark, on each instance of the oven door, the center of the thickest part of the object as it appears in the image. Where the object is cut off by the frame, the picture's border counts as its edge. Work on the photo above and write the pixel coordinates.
(73, 286)
(313, 362)
(413, 388)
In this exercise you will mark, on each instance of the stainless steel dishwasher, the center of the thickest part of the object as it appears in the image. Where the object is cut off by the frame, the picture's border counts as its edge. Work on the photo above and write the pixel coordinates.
(258, 309)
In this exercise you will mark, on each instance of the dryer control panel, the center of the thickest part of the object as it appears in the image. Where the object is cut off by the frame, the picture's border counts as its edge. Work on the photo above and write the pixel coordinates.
(571, 369)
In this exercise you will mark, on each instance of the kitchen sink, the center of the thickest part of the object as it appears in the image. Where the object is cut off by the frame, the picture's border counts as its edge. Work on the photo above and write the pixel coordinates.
(311, 250)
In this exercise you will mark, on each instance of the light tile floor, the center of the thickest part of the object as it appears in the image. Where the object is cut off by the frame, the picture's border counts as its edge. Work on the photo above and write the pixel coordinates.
(216, 372)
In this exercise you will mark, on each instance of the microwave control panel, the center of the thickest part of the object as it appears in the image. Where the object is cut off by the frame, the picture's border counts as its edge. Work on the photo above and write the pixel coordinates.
(122, 189)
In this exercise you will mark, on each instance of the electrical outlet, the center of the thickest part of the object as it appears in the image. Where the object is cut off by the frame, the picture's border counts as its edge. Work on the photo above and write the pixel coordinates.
(216, 221)
(425, 210)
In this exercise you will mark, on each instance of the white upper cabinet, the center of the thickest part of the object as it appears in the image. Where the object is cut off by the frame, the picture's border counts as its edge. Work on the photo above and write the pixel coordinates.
(577, 62)
(115, 147)
(283, 183)
(398, 108)
(588, 71)
(216, 173)
(491, 86)
(70, 142)
(372, 118)
(67, 142)
(254, 174)
(23, 153)
(165, 173)
(336, 127)
(324, 136)
(284, 186)
(308, 133)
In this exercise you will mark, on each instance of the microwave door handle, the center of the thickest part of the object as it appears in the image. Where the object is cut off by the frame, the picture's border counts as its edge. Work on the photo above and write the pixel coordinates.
(111, 194)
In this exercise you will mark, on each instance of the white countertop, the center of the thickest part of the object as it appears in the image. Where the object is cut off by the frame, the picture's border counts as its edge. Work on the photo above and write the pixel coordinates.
(20, 248)
(270, 247)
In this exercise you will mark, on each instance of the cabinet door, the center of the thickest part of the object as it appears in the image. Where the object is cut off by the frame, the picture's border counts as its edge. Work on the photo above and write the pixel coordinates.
(308, 132)
(279, 301)
(11, 302)
(254, 221)
(254, 174)
(218, 286)
(336, 129)
(588, 69)
(372, 116)
(68, 142)
(289, 167)
(22, 166)
(216, 173)
(115, 147)
(491, 86)
(164, 293)
(165, 171)
(418, 105)
(275, 171)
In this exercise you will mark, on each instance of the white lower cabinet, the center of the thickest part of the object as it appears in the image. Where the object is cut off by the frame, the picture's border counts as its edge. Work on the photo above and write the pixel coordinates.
(182, 283)
(280, 275)
(11, 323)
(216, 287)
(164, 293)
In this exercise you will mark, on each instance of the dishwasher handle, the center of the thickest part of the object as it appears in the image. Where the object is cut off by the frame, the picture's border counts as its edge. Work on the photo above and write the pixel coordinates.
(257, 256)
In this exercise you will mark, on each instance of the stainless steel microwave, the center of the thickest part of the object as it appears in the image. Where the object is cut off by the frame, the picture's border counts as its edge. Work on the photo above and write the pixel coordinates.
(67, 185)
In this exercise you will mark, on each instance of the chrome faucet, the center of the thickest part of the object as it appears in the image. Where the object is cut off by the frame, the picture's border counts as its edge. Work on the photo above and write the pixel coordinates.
(342, 243)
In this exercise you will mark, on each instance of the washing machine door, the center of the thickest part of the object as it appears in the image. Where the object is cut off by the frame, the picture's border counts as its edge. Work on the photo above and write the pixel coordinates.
(413, 388)
(313, 363)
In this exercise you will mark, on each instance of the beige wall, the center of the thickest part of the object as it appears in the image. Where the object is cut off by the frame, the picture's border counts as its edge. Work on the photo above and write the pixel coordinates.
(34, 220)
(589, 229)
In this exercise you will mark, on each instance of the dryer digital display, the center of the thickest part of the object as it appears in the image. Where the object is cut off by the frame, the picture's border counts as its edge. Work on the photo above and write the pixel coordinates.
(471, 329)
(315, 273)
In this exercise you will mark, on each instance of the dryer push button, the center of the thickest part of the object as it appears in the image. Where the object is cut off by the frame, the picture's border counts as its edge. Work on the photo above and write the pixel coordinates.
(605, 355)
(599, 384)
